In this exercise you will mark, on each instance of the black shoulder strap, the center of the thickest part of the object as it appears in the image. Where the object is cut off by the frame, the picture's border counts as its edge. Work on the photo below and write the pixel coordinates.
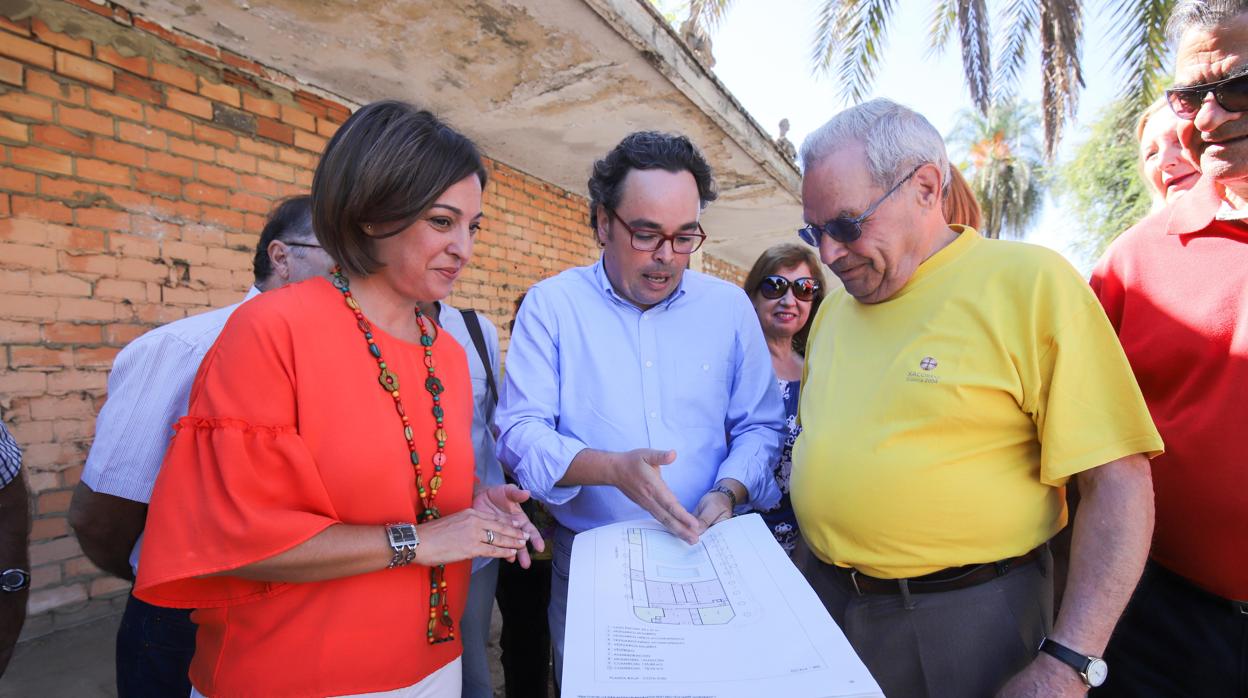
(478, 339)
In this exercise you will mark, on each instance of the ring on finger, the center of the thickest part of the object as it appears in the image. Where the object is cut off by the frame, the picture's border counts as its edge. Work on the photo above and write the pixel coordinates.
(489, 537)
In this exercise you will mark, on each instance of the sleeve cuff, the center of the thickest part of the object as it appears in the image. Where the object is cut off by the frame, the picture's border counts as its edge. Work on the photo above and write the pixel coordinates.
(763, 492)
(545, 465)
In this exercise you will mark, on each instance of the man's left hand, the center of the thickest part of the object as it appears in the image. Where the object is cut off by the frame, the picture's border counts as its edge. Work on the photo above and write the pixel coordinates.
(1044, 677)
(715, 506)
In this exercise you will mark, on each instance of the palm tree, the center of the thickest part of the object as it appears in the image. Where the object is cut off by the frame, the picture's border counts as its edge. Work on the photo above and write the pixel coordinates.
(850, 37)
(1100, 187)
(1004, 165)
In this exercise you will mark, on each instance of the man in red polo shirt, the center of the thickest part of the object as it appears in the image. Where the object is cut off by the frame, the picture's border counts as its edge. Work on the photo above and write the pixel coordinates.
(1176, 288)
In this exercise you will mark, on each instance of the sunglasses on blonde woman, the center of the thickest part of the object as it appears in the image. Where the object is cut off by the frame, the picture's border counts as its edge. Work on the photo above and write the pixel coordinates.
(775, 286)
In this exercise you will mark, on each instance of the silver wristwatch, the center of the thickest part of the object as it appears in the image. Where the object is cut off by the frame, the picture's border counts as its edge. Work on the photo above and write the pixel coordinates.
(403, 541)
(1093, 670)
(14, 580)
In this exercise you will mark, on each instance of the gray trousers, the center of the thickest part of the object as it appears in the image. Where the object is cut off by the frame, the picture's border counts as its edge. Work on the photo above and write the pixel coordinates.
(474, 630)
(957, 644)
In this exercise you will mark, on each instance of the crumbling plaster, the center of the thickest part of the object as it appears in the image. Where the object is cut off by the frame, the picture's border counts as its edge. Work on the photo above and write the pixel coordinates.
(546, 86)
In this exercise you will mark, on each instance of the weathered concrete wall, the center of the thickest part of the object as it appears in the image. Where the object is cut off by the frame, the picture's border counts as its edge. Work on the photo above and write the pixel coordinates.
(136, 168)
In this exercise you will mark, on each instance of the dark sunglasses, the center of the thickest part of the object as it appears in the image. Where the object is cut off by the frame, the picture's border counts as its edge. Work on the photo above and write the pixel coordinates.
(775, 286)
(844, 229)
(1231, 94)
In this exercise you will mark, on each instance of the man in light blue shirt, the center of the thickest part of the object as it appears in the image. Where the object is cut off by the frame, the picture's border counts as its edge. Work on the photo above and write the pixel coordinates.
(634, 387)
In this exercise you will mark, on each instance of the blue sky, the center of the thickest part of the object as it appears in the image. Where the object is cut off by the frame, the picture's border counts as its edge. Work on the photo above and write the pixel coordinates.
(762, 54)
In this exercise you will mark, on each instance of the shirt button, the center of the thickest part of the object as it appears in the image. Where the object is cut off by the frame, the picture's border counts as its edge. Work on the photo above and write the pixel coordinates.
(653, 415)
(645, 317)
(706, 367)
(649, 364)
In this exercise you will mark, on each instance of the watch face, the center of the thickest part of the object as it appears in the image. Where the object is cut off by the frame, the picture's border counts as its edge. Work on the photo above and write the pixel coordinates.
(1098, 670)
(13, 580)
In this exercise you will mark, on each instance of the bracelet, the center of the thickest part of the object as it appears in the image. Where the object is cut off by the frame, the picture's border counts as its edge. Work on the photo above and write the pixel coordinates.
(403, 541)
(724, 489)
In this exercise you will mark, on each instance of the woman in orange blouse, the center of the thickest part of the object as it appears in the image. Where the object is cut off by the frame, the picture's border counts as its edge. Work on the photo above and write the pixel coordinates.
(317, 503)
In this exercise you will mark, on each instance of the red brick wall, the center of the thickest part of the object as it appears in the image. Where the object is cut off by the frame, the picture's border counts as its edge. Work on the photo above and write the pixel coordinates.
(136, 168)
(718, 267)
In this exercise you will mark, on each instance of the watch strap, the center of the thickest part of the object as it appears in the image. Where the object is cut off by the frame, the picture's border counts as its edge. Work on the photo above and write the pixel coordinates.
(1062, 653)
(724, 489)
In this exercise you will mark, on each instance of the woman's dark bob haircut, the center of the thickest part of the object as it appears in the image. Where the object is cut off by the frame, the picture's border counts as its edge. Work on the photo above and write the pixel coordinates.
(388, 163)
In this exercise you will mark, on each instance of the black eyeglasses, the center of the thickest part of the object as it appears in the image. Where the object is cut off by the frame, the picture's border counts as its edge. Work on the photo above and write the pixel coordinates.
(844, 229)
(775, 286)
(685, 242)
(302, 244)
(1231, 94)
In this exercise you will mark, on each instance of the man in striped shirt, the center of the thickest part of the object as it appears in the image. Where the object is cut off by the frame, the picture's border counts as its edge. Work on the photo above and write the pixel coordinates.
(148, 391)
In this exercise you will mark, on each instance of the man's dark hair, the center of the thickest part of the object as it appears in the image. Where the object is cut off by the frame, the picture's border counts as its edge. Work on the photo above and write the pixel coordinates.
(290, 220)
(647, 150)
(388, 163)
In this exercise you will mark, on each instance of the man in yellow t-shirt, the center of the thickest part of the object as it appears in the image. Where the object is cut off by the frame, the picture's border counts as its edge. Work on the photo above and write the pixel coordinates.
(951, 390)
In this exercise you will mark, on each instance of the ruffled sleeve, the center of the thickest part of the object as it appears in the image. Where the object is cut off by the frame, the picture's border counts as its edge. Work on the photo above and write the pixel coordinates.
(238, 483)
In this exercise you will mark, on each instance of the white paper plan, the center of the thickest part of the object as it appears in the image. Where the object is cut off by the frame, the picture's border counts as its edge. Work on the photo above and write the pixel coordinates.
(650, 615)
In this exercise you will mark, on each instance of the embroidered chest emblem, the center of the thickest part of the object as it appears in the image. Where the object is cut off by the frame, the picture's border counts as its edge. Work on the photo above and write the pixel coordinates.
(926, 365)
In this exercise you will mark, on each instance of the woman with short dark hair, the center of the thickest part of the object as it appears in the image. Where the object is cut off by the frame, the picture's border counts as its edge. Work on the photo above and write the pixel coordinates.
(786, 285)
(317, 503)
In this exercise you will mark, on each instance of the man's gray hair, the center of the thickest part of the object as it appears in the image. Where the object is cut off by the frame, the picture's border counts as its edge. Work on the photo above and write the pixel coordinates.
(897, 140)
(1202, 14)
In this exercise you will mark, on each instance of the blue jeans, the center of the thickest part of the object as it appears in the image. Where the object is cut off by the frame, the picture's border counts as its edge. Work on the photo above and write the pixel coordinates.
(557, 614)
(475, 631)
(154, 650)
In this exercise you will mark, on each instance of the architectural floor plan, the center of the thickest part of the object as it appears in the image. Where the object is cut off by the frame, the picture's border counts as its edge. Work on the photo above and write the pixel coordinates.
(674, 583)
(650, 615)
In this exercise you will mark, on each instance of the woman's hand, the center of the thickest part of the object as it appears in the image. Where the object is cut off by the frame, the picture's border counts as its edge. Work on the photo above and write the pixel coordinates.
(472, 533)
(504, 501)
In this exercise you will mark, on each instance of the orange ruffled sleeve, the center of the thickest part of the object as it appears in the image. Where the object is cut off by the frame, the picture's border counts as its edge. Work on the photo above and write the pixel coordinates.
(238, 483)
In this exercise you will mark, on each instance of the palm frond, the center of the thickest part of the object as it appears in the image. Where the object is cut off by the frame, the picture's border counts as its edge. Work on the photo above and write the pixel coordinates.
(709, 13)
(1061, 43)
(1140, 28)
(1021, 17)
(940, 28)
(976, 55)
(851, 34)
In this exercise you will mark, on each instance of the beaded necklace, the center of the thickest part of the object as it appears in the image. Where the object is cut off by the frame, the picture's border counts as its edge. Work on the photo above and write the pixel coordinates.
(441, 625)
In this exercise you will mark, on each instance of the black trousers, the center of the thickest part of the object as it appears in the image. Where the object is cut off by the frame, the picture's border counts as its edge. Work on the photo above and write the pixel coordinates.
(1177, 640)
(154, 650)
(523, 596)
